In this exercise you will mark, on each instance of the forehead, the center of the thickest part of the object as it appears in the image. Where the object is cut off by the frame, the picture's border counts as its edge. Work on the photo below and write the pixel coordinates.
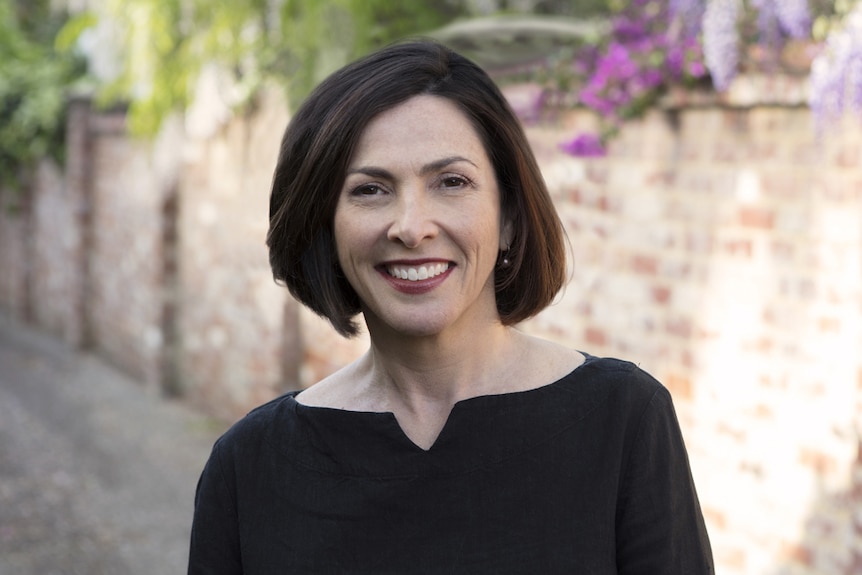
(421, 126)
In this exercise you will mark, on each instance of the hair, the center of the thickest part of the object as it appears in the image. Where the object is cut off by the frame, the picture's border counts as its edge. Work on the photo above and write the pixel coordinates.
(318, 145)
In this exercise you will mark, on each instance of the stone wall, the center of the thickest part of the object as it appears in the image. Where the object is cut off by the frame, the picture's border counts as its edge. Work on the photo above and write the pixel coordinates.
(718, 245)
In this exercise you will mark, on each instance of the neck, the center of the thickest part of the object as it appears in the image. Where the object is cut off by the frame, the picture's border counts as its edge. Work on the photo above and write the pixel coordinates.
(435, 372)
(421, 379)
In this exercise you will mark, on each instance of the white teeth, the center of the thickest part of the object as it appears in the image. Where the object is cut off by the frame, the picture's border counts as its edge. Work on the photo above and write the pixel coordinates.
(417, 274)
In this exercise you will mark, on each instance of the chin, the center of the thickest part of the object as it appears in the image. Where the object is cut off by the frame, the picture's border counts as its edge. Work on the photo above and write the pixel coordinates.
(425, 326)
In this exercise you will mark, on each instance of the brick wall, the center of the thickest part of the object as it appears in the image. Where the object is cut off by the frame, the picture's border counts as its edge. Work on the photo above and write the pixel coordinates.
(721, 251)
(123, 295)
(236, 325)
(14, 251)
(36, 245)
(152, 255)
(53, 241)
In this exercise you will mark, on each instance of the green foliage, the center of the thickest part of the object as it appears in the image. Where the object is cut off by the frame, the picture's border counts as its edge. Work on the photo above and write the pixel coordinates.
(830, 15)
(34, 78)
(167, 43)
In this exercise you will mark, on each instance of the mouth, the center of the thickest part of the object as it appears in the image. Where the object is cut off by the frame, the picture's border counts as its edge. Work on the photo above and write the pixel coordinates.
(416, 273)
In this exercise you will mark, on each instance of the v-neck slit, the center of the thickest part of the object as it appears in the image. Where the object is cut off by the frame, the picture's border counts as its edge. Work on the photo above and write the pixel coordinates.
(358, 443)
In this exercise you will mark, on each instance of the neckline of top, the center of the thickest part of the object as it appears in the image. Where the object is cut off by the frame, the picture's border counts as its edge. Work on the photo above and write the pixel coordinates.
(340, 419)
(461, 402)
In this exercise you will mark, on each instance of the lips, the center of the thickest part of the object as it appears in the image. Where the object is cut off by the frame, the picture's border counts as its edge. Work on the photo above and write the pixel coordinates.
(416, 277)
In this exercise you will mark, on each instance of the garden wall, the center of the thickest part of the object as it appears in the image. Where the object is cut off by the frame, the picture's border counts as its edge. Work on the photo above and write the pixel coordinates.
(151, 254)
(718, 245)
(237, 339)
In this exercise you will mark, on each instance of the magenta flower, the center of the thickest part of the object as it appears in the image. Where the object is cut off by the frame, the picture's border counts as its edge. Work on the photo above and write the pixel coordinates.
(585, 146)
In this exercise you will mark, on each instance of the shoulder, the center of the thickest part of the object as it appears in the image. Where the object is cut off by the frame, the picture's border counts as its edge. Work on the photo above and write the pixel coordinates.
(624, 380)
(254, 430)
(627, 395)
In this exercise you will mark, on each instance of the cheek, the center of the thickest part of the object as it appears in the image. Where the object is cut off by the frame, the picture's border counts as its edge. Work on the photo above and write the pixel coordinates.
(350, 236)
(340, 237)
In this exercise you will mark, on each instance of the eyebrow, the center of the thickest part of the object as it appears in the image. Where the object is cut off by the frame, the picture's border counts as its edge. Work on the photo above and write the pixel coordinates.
(376, 172)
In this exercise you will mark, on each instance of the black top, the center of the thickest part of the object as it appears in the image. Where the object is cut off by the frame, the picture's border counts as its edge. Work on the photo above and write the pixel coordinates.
(586, 475)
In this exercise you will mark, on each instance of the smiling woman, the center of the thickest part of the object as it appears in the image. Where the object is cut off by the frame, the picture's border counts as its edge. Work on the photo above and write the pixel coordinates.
(421, 194)
(406, 191)
(327, 128)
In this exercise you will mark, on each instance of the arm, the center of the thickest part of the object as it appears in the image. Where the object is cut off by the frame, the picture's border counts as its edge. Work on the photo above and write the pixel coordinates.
(215, 548)
(660, 527)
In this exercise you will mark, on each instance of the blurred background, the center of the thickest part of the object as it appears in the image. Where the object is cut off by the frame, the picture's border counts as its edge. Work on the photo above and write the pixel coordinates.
(705, 156)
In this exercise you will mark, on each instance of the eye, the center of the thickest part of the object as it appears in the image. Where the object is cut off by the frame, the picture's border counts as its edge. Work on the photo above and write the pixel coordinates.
(367, 190)
(454, 182)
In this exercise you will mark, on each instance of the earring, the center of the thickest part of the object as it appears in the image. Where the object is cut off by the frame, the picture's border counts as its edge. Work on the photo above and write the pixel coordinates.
(505, 262)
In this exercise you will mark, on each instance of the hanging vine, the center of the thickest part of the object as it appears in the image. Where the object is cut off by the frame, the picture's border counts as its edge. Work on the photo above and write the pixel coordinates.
(167, 43)
(35, 74)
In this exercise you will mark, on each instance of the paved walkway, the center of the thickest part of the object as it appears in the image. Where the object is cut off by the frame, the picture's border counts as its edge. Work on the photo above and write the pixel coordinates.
(97, 474)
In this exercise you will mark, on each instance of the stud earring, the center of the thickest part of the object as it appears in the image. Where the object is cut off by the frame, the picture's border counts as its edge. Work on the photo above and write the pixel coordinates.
(505, 262)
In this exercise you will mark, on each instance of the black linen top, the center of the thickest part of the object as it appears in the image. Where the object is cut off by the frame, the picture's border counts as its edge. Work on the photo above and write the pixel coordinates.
(586, 475)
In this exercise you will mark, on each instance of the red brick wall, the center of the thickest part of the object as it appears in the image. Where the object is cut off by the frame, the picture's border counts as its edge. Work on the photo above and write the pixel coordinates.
(234, 320)
(14, 251)
(722, 251)
(37, 242)
(152, 254)
(123, 296)
(54, 241)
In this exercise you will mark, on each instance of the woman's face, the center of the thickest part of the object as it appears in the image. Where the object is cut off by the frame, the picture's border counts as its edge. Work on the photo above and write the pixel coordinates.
(417, 224)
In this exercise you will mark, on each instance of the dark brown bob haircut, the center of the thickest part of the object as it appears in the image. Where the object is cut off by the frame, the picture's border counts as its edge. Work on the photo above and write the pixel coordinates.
(318, 145)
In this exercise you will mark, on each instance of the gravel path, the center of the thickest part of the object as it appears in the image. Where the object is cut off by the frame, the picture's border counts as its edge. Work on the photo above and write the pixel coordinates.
(97, 474)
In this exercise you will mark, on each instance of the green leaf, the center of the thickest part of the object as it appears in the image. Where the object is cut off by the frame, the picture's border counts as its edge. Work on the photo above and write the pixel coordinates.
(68, 35)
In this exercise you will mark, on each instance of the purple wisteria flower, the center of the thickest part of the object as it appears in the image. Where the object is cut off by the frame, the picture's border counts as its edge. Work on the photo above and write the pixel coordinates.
(768, 24)
(794, 17)
(781, 19)
(585, 146)
(721, 41)
(836, 74)
(690, 15)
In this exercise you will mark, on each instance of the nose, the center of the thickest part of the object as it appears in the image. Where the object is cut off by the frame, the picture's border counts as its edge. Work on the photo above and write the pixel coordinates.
(412, 221)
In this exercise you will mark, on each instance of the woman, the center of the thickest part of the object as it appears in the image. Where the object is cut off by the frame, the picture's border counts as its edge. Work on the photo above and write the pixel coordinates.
(406, 191)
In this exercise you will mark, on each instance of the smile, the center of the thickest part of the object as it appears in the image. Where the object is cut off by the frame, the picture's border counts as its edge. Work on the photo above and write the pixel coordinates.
(418, 273)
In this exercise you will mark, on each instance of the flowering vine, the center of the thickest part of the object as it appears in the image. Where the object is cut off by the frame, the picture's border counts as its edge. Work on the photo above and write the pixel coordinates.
(836, 73)
(652, 45)
(655, 44)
